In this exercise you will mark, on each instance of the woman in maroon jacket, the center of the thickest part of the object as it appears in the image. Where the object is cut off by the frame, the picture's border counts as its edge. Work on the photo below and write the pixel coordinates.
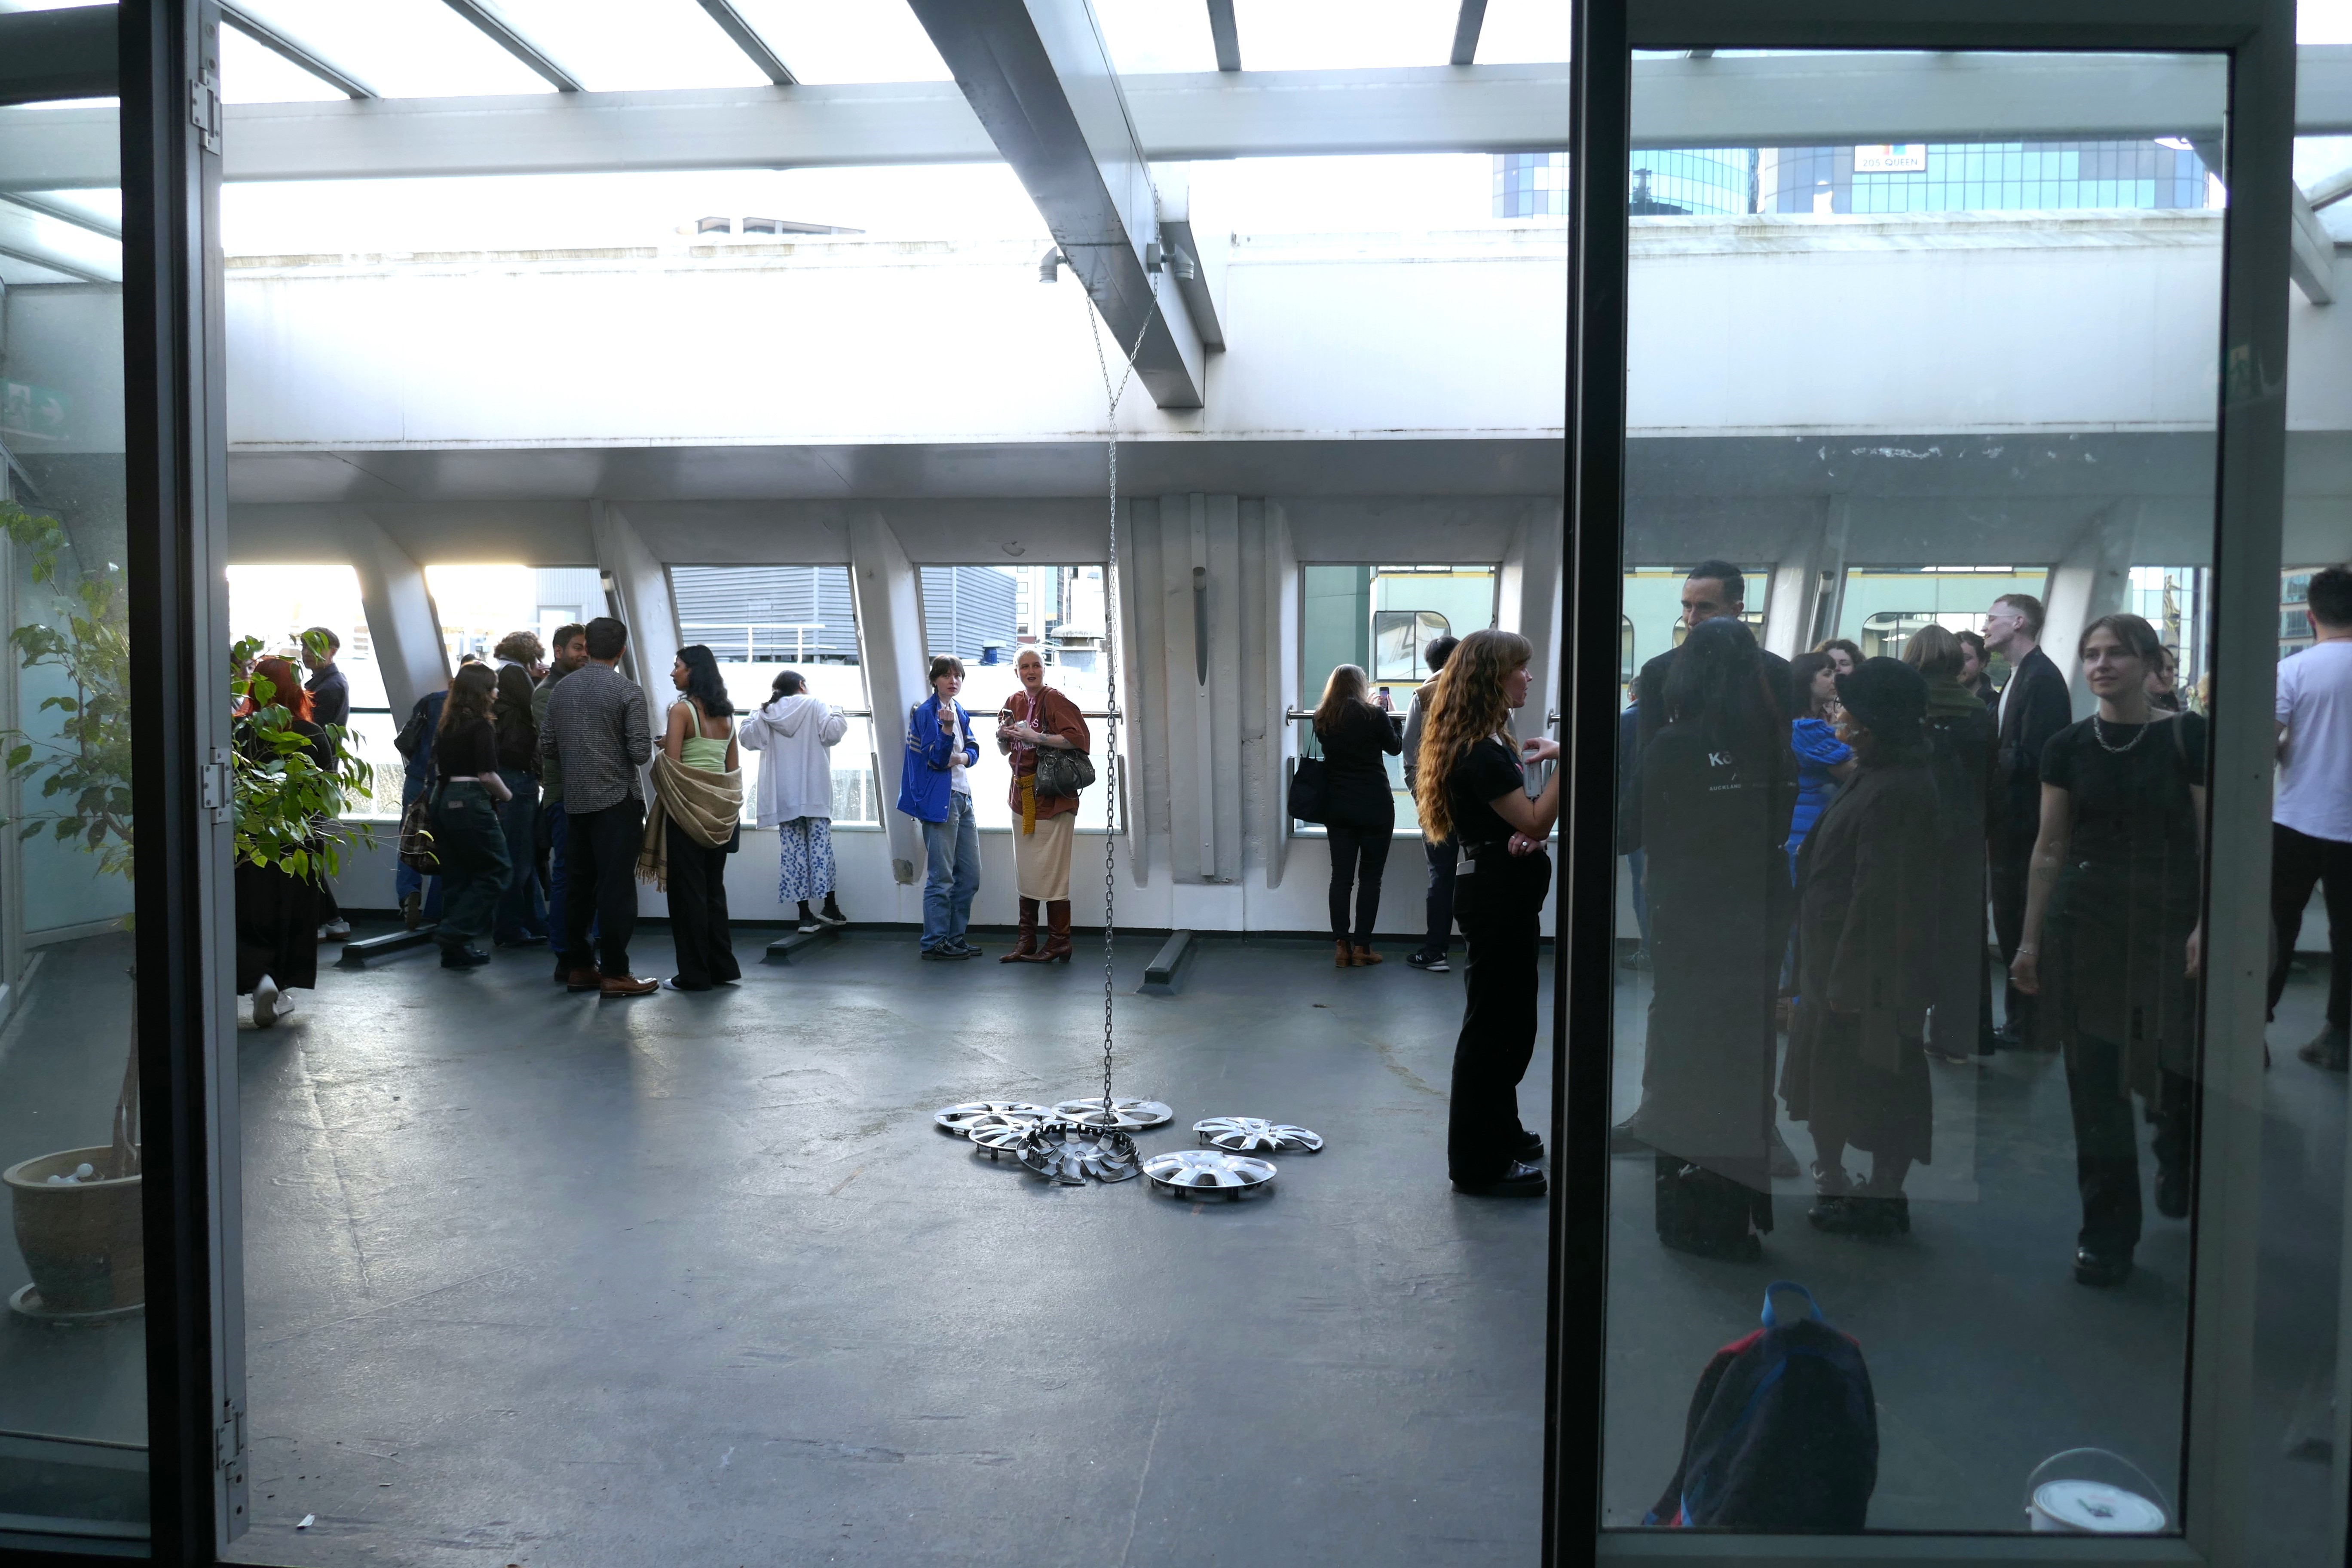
(1033, 718)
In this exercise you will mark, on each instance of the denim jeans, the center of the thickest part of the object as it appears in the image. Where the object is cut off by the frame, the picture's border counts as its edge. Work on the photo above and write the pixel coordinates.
(521, 915)
(952, 848)
(475, 869)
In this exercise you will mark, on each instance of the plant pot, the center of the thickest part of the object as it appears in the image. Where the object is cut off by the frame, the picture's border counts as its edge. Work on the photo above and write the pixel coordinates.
(82, 1242)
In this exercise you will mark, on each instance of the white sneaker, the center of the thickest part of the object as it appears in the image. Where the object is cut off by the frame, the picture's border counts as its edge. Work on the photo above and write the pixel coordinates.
(811, 925)
(335, 930)
(266, 998)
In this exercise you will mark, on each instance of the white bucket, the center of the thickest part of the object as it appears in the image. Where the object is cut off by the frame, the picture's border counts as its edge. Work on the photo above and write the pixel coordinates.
(2073, 1507)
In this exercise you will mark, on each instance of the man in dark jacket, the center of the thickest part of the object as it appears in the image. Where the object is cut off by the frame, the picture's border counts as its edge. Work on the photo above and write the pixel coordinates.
(1713, 590)
(2034, 707)
(521, 915)
(331, 708)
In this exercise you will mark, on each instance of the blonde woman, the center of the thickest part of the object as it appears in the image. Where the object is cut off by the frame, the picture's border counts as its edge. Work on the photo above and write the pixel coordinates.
(1037, 716)
(1473, 792)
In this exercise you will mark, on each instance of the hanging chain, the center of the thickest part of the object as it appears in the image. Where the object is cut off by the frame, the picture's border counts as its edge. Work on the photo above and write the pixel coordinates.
(1111, 773)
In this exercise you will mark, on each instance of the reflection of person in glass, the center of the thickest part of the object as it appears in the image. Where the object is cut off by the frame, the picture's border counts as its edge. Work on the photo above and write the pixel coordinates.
(1717, 789)
(1866, 890)
(1473, 792)
(2112, 934)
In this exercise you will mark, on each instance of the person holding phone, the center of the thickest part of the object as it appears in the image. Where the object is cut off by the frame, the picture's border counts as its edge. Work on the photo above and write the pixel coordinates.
(1474, 793)
(935, 789)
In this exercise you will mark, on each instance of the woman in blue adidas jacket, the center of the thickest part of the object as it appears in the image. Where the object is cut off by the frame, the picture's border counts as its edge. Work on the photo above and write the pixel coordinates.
(935, 789)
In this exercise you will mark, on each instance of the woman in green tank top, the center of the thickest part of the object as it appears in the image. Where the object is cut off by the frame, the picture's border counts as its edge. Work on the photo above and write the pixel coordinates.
(698, 820)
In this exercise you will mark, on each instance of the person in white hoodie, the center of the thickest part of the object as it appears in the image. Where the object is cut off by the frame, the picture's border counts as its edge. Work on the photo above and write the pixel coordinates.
(794, 733)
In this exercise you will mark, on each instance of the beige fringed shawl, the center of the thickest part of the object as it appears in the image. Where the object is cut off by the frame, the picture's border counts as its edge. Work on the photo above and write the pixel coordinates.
(707, 806)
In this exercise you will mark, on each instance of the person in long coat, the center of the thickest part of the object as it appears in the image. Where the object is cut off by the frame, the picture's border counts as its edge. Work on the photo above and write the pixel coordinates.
(1717, 783)
(1856, 1071)
(1961, 741)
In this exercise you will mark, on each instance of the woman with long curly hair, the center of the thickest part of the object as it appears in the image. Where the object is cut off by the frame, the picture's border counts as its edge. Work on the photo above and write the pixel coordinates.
(1475, 793)
(468, 836)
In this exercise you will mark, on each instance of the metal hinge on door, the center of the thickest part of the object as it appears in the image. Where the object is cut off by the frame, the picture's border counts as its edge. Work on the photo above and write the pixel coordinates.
(204, 108)
(212, 787)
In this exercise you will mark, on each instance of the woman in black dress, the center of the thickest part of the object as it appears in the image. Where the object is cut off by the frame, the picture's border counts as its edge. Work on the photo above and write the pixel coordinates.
(1866, 890)
(468, 835)
(1717, 787)
(2112, 935)
(1473, 791)
(276, 911)
(1358, 810)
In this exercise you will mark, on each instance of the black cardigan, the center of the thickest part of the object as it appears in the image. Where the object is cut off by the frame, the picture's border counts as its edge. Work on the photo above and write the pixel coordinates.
(1356, 781)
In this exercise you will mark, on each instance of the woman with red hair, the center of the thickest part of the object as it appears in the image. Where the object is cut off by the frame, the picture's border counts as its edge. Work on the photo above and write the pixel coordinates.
(277, 912)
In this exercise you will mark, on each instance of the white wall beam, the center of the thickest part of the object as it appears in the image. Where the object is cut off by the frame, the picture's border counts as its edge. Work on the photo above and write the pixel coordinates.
(402, 625)
(2311, 254)
(1773, 101)
(883, 584)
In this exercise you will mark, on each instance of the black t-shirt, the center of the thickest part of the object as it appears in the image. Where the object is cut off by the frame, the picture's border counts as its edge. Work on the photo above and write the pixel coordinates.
(469, 751)
(2135, 824)
(1485, 774)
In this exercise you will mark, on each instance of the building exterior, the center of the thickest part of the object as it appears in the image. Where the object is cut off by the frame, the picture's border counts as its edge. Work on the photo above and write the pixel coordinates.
(1980, 177)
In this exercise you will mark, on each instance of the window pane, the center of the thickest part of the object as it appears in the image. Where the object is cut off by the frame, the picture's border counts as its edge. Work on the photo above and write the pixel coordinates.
(1823, 1073)
(1381, 619)
(73, 1372)
(985, 615)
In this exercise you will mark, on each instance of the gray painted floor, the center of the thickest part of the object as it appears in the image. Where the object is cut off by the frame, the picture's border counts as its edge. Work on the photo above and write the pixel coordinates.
(536, 1278)
(533, 1278)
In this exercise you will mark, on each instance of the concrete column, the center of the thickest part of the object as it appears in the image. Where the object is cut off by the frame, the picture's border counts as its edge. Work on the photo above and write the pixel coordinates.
(634, 580)
(1529, 602)
(883, 584)
(1143, 621)
(1279, 691)
(401, 622)
(2092, 579)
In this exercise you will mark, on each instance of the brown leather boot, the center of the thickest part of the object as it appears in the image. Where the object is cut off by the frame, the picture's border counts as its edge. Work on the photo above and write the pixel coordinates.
(1057, 931)
(1027, 945)
(1366, 957)
(1345, 958)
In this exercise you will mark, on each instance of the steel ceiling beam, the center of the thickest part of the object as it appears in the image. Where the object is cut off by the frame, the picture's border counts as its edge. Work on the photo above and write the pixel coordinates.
(96, 261)
(495, 26)
(291, 49)
(1467, 24)
(64, 213)
(1225, 35)
(747, 38)
(1037, 74)
(1768, 102)
(50, 55)
(2311, 254)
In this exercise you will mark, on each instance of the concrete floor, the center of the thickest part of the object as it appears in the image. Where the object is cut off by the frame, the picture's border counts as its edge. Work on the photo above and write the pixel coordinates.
(695, 1279)
(536, 1278)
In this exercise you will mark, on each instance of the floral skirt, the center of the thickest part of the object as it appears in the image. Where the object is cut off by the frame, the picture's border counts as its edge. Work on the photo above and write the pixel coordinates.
(806, 843)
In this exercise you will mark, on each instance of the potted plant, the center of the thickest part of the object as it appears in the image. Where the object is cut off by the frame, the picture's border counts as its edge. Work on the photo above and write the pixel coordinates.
(77, 1212)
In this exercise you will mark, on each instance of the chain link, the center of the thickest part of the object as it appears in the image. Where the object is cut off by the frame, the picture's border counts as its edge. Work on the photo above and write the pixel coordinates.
(1112, 772)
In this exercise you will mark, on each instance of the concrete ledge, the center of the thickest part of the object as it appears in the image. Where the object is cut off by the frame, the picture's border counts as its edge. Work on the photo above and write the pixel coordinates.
(794, 943)
(1160, 974)
(357, 953)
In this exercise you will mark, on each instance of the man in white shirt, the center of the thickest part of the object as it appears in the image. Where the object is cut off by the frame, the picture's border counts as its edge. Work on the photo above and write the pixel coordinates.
(2311, 818)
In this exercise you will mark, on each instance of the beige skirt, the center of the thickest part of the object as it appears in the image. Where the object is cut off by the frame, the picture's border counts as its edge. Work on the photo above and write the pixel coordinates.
(1041, 861)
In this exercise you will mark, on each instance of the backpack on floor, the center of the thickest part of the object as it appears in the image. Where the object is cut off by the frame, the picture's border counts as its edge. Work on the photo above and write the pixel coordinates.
(1782, 1432)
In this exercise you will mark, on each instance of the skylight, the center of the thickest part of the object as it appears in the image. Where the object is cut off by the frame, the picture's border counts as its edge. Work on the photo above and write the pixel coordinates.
(401, 48)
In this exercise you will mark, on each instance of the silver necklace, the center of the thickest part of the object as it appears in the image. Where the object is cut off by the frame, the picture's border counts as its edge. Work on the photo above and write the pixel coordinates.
(2099, 734)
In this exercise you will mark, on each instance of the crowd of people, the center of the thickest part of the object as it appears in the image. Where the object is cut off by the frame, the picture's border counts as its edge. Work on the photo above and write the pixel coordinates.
(1817, 848)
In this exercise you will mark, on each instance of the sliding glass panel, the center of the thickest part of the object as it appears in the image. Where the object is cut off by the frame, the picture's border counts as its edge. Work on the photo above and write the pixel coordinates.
(1871, 1039)
(73, 1346)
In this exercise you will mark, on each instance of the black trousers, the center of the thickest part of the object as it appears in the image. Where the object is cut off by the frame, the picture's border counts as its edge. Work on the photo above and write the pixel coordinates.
(1358, 857)
(2006, 872)
(1442, 857)
(2299, 863)
(600, 868)
(1483, 1132)
(698, 912)
(2106, 1141)
(475, 869)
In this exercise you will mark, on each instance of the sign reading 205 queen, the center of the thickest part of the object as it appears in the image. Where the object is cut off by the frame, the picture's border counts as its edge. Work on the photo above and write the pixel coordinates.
(1900, 158)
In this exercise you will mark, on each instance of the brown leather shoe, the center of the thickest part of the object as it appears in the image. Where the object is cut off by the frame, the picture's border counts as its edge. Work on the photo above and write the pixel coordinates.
(626, 985)
(1366, 957)
(1344, 957)
(1057, 931)
(1027, 945)
(580, 980)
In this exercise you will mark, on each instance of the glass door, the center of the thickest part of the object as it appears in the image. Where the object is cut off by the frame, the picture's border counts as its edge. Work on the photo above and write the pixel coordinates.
(1911, 1034)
